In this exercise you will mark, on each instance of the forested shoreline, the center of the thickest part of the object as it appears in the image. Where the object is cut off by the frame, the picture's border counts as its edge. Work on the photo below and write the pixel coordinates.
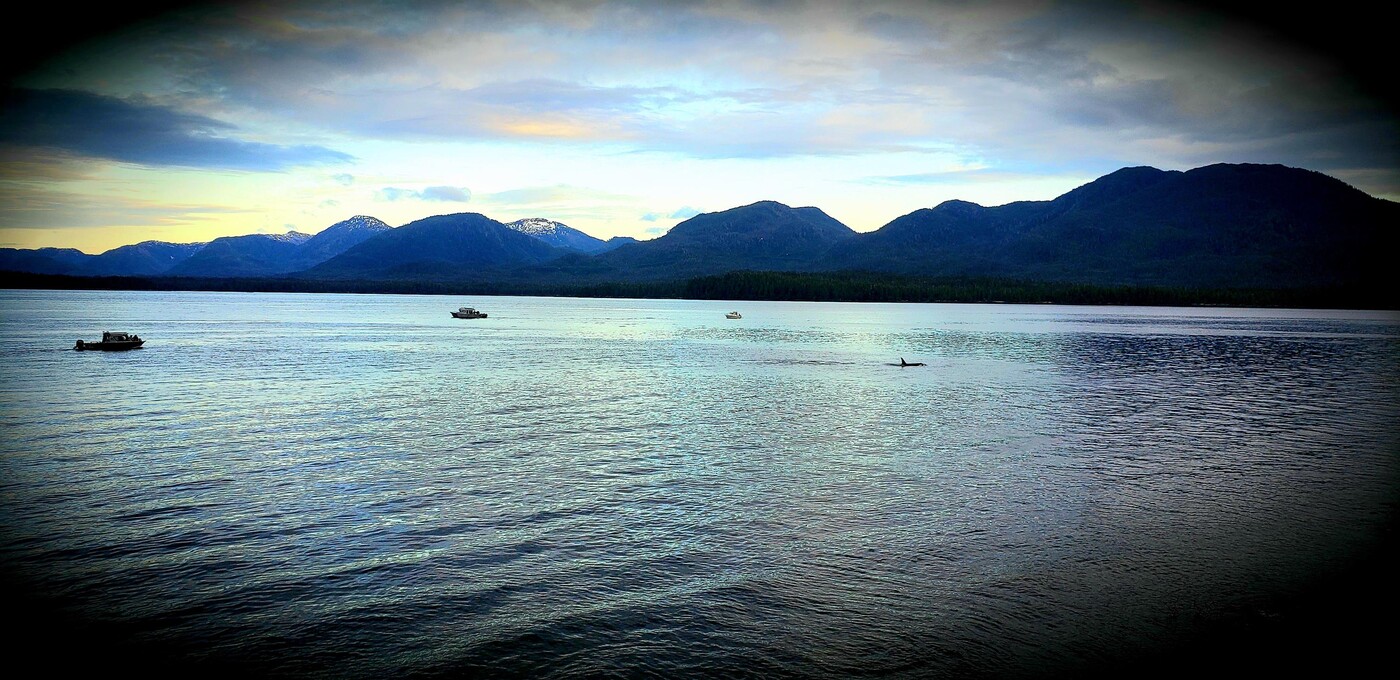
(762, 285)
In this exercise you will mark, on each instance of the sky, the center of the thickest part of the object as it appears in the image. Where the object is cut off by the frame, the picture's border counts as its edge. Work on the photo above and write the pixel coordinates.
(184, 123)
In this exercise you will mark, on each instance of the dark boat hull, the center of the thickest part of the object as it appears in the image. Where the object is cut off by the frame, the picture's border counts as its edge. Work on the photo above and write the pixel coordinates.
(108, 346)
(468, 316)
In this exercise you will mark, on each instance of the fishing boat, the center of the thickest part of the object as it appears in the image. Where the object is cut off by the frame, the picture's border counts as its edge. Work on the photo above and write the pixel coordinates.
(112, 341)
(733, 315)
(469, 313)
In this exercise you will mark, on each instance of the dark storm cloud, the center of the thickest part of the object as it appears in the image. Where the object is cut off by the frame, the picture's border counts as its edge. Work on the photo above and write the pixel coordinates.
(99, 126)
(1127, 104)
(1165, 82)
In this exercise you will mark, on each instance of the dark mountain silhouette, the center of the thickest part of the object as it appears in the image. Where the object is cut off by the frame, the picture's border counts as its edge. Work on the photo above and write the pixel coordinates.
(148, 258)
(1218, 226)
(460, 246)
(43, 260)
(764, 236)
(336, 239)
(141, 259)
(252, 255)
(617, 242)
(242, 256)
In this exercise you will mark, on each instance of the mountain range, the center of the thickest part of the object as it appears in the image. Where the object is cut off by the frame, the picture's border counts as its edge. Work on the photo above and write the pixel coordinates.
(230, 256)
(1218, 226)
(1227, 225)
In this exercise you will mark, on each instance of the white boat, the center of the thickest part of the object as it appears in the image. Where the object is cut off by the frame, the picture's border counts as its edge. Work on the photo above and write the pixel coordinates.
(469, 313)
(733, 315)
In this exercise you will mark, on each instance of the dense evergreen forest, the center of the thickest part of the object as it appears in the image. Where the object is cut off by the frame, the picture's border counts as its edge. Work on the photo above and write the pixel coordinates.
(762, 285)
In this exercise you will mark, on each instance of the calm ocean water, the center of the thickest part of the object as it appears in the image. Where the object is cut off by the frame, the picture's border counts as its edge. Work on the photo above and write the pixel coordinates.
(359, 486)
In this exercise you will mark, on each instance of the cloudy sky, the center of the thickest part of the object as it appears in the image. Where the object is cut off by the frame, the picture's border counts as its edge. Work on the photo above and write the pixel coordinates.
(624, 118)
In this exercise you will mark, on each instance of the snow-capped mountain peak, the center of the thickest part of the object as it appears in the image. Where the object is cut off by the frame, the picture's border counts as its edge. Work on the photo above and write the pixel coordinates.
(558, 234)
(294, 237)
(537, 226)
(360, 222)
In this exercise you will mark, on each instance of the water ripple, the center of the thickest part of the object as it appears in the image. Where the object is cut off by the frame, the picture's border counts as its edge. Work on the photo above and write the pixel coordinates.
(358, 486)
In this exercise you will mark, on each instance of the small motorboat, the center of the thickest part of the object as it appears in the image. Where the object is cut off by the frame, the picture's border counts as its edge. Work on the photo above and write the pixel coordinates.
(469, 313)
(733, 315)
(112, 341)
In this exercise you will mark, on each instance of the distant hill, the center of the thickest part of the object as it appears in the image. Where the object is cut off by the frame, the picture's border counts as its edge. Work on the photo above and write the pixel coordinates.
(142, 259)
(256, 255)
(239, 256)
(762, 236)
(458, 246)
(253, 255)
(147, 258)
(336, 239)
(559, 235)
(1218, 226)
(43, 260)
(1242, 227)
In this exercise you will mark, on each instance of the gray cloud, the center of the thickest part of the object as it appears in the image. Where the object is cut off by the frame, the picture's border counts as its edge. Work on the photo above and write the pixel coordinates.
(917, 178)
(98, 126)
(40, 208)
(559, 193)
(545, 94)
(1162, 83)
(902, 28)
(961, 177)
(683, 213)
(445, 193)
(438, 193)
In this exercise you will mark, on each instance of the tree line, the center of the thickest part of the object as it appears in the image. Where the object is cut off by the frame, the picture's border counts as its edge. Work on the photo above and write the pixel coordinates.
(764, 285)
